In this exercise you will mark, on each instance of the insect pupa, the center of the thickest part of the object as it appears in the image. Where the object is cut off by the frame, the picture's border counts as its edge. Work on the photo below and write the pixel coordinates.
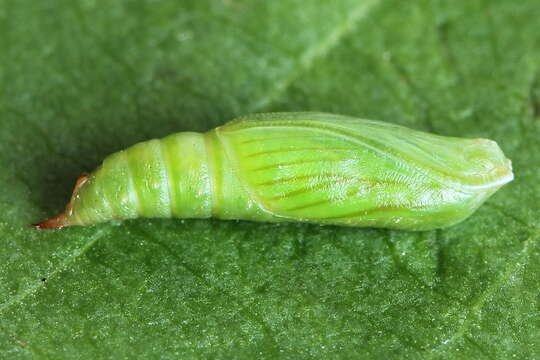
(308, 167)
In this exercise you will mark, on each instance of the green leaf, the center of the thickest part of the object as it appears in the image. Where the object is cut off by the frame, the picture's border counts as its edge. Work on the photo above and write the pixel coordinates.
(82, 79)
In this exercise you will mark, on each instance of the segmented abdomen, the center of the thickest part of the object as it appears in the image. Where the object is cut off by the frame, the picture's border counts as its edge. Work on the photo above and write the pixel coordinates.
(184, 175)
(157, 178)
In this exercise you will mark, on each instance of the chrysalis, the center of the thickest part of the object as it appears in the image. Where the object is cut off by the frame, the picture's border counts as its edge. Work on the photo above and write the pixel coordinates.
(308, 167)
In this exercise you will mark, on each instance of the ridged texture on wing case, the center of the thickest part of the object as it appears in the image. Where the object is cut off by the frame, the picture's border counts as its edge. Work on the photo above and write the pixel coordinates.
(334, 169)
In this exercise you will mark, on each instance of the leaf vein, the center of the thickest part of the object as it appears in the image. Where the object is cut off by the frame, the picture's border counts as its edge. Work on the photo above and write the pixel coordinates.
(62, 266)
(490, 292)
(319, 50)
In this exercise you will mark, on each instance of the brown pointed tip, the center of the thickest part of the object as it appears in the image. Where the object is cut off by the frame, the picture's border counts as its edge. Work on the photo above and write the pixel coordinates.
(59, 221)
(56, 222)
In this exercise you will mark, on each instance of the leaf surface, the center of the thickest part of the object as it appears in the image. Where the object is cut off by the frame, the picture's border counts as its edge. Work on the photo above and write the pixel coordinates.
(80, 80)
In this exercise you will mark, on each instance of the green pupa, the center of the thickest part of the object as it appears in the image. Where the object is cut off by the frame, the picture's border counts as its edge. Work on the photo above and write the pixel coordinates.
(306, 167)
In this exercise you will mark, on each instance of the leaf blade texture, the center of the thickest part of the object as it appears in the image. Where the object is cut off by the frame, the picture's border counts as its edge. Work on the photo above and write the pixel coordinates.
(80, 81)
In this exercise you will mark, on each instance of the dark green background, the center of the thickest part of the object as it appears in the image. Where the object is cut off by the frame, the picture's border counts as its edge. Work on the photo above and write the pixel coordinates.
(80, 79)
